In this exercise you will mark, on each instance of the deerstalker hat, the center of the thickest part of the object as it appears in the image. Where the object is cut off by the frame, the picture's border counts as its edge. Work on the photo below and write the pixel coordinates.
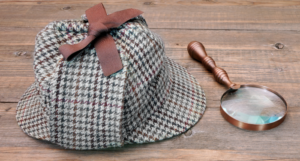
(104, 81)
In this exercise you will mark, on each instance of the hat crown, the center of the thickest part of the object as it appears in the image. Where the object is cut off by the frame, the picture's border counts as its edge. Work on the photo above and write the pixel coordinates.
(76, 89)
(73, 104)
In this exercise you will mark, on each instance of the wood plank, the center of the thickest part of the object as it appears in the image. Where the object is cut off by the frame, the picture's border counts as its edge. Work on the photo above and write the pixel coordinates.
(213, 39)
(211, 136)
(168, 2)
(133, 154)
(217, 15)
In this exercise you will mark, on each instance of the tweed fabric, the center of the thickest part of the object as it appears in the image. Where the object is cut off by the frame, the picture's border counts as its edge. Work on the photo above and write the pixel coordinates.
(74, 105)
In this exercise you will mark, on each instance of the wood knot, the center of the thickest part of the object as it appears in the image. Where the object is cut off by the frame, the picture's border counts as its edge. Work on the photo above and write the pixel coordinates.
(279, 69)
(67, 8)
(148, 3)
(188, 133)
(8, 109)
(279, 46)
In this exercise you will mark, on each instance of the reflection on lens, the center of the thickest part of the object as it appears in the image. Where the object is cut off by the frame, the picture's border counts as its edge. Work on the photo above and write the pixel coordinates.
(253, 105)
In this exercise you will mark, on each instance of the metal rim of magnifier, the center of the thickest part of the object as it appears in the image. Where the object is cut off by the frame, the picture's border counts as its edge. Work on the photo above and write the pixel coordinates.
(253, 127)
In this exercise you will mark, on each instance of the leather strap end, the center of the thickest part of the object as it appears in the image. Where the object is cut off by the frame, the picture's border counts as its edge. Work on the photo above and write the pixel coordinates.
(69, 51)
(108, 55)
(66, 51)
(113, 68)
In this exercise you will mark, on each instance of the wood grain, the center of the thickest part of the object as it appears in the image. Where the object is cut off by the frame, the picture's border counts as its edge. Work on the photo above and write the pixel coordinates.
(239, 35)
(206, 14)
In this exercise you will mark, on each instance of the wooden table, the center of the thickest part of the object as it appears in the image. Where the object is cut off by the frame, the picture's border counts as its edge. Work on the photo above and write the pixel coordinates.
(255, 41)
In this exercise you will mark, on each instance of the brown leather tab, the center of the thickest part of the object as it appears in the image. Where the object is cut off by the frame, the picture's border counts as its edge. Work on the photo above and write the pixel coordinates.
(95, 13)
(69, 51)
(99, 25)
(108, 55)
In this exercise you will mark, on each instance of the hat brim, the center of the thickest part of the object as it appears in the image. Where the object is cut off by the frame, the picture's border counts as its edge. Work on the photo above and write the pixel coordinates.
(183, 108)
(31, 115)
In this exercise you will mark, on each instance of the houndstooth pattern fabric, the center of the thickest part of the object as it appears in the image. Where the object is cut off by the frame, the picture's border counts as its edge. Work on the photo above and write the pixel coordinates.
(30, 115)
(182, 108)
(74, 105)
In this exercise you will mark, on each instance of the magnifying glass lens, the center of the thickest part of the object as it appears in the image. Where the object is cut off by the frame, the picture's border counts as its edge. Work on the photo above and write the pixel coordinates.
(253, 105)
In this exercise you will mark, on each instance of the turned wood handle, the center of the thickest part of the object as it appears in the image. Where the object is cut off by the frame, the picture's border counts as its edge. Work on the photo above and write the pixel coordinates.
(197, 52)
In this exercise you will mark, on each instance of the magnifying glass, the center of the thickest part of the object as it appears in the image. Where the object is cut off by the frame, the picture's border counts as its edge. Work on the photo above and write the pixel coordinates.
(250, 107)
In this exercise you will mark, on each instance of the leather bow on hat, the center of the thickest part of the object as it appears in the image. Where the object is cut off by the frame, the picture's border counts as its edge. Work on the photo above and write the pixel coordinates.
(98, 32)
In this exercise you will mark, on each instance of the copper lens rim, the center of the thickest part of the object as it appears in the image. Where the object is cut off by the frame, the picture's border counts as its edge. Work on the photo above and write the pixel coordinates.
(254, 127)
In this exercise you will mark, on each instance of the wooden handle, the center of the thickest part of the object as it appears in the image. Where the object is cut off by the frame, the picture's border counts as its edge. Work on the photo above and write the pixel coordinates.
(197, 52)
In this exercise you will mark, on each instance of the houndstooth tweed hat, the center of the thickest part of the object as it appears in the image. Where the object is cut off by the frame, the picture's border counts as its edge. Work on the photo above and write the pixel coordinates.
(72, 103)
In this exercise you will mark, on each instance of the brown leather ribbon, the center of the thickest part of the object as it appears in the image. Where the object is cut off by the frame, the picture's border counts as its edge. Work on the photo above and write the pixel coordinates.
(98, 33)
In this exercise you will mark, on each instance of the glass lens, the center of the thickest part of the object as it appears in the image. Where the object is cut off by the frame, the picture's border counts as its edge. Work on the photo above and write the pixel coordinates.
(253, 105)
